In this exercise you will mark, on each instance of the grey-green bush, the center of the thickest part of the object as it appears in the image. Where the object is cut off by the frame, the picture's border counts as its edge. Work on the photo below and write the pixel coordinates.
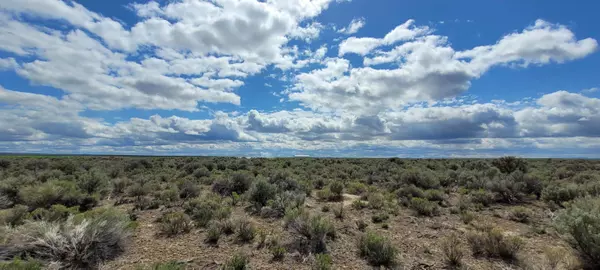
(377, 250)
(581, 222)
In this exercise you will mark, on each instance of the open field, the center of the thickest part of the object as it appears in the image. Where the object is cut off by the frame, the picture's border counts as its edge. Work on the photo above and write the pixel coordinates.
(298, 213)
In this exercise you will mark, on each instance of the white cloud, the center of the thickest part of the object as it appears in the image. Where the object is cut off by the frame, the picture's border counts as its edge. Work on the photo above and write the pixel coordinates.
(355, 25)
(364, 45)
(426, 68)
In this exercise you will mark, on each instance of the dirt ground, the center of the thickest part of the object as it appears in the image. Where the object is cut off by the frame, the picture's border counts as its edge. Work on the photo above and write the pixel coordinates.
(417, 238)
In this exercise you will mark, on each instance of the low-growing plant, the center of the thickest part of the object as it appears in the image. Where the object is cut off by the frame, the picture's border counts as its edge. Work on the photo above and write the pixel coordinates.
(80, 242)
(213, 233)
(261, 192)
(358, 204)
(322, 262)
(238, 261)
(377, 250)
(423, 207)
(452, 248)
(380, 217)
(278, 252)
(314, 230)
(361, 225)
(174, 223)
(245, 230)
(580, 221)
(494, 244)
(376, 200)
(14, 216)
(520, 214)
(467, 217)
(338, 211)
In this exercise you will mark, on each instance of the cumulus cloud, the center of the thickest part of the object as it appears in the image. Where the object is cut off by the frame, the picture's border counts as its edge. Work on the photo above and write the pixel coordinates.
(355, 25)
(186, 55)
(425, 67)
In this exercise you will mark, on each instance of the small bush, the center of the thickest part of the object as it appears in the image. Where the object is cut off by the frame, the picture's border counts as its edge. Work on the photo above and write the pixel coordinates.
(54, 192)
(434, 195)
(380, 217)
(238, 261)
(14, 216)
(175, 223)
(356, 188)
(520, 214)
(482, 197)
(325, 208)
(18, 264)
(338, 211)
(377, 250)
(336, 188)
(425, 179)
(278, 252)
(313, 230)
(202, 210)
(322, 262)
(560, 194)
(376, 200)
(361, 225)
(358, 204)
(213, 233)
(494, 244)
(56, 212)
(80, 242)
(510, 164)
(581, 222)
(423, 207)
(188, 189)
(452, 248)
(245, 230)
(261, 192)
(227, 226)
(467, 217)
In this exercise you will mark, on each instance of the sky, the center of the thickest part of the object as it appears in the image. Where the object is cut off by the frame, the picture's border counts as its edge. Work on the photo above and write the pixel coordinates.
(339, 78)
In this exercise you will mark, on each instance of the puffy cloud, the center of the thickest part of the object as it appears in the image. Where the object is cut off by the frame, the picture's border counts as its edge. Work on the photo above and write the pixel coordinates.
(538, 44)
(561, 114)
(355, 25)
(364, 45)
(425, 67)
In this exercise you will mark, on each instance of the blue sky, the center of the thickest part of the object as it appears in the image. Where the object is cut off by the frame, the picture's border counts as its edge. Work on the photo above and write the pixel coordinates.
(300, 77)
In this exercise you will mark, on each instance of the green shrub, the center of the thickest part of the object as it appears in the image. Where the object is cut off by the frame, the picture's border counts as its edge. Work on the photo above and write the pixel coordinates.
(358, 204)
(18, 264)
(227, 226)
(56, 212)
(278, 252)
(54, 192)
(313, 230)
(425, 179)
(467, 217)
(452, 248)
(356, 188)
(14, 216)
(119, 185)
(238, 261)
(203, 210)
(520, 214)
(137, 190)
(336, 188)
(188, 189)
(423, 207)
(261, 192)
(494, 244)
(338, 211)
(377, 250)
(380, 217)
(245, 230)
(325, 195)
(239, 183)
(361, 225)
(213, 233)
(580, 221)
(201, 172)
(93, 181)
(175, 223)
(482, 197)
(560, 194)
(376, 200)
(434, 195)
(510, 164)
(322, 262)
(80, 242)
